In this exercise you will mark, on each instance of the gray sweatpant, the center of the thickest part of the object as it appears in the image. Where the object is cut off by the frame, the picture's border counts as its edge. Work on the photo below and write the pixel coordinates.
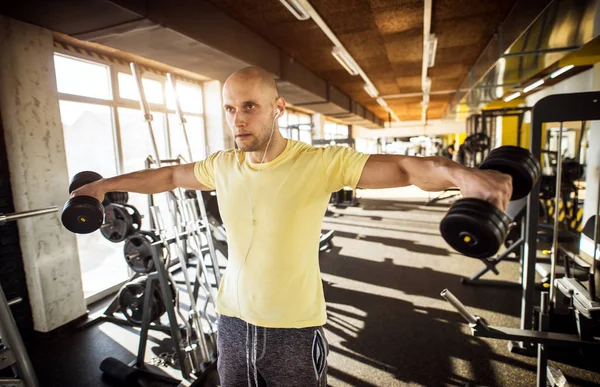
(256, 356)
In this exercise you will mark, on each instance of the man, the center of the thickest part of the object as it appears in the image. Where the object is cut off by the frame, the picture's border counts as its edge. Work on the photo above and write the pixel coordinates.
(272, 195)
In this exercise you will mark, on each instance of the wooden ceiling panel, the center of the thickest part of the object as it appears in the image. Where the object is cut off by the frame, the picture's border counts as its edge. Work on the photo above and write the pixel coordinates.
(385, 37)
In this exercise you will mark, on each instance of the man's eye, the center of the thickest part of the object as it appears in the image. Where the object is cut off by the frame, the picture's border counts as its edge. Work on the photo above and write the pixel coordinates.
(250, 107)
(229, 109)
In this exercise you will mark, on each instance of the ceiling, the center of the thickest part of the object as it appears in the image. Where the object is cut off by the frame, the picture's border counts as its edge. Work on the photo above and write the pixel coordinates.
(385, 37)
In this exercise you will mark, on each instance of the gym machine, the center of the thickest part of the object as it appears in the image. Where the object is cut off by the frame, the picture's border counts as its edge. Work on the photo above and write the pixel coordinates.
(12, 350)
(567, 292)
(153, 289)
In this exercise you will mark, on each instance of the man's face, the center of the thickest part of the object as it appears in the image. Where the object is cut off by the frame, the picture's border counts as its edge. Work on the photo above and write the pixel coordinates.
(250, 112)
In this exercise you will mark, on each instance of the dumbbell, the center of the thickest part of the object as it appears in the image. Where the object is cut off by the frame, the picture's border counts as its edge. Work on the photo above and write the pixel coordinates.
(477, 228)
(85, 214)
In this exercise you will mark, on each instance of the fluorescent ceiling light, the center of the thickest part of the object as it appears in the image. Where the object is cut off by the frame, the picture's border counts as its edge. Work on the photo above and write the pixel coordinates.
(382, 102)
(296, 9)
(533, 86)
(512, 96)
(431, 49)
(371, 90)
(561, 71)
(345, 60)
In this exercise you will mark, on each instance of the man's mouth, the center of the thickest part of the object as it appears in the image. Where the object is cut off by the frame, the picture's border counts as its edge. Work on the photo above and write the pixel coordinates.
(242, 135)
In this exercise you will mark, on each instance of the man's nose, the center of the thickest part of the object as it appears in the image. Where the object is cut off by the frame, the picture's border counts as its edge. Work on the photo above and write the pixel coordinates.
(239, 120)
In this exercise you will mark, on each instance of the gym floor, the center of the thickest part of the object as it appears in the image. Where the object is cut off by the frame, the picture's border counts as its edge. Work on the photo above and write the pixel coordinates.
(387, 326)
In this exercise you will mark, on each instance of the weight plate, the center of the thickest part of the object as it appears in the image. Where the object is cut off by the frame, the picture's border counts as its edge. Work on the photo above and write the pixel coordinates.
(136, 217)
(138, 252)
(118, 223)
(116, 198)
(571, 170)
(477, 142)
(82, 214)
(82, 178)
(131, 300)
(519, 164)
(475, 228)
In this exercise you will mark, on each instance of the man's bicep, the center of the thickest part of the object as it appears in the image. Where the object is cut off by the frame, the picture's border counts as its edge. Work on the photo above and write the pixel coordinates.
(184, 177)
(383, 171)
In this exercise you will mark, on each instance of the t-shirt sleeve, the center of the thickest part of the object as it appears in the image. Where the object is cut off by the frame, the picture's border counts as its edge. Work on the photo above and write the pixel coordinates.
(204, 170)
(343, 167)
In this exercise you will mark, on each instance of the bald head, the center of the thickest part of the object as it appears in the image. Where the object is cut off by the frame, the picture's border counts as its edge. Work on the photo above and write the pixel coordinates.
(253, 77)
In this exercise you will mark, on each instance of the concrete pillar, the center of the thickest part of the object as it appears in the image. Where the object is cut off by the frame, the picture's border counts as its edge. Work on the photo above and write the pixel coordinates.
(318, 126)
(38, 168)
(218, 134)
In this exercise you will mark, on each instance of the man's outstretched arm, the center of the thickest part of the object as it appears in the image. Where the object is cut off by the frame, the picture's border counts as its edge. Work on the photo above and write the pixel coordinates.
(436, 174)
(149, 181)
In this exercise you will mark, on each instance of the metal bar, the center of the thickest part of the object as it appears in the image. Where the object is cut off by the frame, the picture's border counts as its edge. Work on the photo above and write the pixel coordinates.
(172, 82)
(25, 214)
(542, 358)
(527, 335)
(554, 257)
(520, 117)
(137, 75)
(498, 259)
(542, 51)
(170, 307)
(148, 292)
(459, 306)
(578, 153)
(12, 382)
(15, 301)
(12, 338)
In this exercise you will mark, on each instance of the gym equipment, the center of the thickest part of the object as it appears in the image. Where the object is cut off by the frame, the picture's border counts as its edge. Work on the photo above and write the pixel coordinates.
(120, 221)
(163, 253)
(85, 214)
(138, 251)
(477, 142)
(542, 338)
(477, 228)
(131, 301)
(12, 350)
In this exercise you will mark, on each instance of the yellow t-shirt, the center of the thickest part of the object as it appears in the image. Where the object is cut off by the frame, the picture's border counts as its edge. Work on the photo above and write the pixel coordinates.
(273, 214)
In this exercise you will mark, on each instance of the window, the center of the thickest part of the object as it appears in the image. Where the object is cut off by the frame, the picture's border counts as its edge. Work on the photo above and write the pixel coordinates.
(333, 130)
(105, 131)
(78, 77)
(296, 126)
(128, 88)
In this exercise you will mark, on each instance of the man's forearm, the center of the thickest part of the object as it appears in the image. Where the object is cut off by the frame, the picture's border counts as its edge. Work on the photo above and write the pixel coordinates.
(433, 173)
(149, 181)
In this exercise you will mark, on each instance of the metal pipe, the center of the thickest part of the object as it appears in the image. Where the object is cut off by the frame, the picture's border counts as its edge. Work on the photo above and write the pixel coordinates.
(15, 301)
(173, 84)
(12, 338)
(554, 257)
(145, 108)
(459, 306)
(542, 51)
(25, 214)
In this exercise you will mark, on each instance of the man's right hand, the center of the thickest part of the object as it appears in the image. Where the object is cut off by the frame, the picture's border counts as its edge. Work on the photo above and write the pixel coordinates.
(94, 190)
